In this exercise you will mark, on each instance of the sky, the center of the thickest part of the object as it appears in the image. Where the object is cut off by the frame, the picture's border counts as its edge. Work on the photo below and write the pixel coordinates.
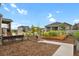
(40, 14)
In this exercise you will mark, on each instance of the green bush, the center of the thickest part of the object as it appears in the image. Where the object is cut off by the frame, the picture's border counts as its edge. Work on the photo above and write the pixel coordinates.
(46, 34)
(42, 33)
(53, 33)
(76, 34)
(29, 34)
(61, 32)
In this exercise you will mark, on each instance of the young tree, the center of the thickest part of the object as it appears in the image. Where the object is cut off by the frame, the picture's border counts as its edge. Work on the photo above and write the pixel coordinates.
(32, 29)
(62, 26)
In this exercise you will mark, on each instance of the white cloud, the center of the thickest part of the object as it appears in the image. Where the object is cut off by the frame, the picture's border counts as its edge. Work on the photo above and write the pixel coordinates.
(15, 25)
(13, 5)
(76, 21)
(49, 15)
(6, 9)
(52, 20)
(57, 11)
(22, 11)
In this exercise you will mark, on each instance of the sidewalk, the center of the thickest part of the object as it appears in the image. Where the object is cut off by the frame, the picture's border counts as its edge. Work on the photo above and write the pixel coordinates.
(65, 49)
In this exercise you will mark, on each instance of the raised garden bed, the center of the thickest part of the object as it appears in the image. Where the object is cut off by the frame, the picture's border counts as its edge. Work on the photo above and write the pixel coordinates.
(61, 37)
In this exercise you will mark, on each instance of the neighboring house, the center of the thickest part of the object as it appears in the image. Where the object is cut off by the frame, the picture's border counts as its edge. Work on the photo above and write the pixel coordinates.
(76, 26)
(58, 26)
(14, 31)
(22, 29)
(43, 29)
(5, 26)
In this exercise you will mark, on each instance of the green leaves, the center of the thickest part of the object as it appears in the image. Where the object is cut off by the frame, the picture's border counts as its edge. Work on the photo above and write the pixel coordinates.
(62, 26)
(54, 33)
(46, 33)
(76, 34)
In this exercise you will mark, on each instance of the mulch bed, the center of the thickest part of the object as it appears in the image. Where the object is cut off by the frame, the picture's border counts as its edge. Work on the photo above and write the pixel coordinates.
(76, 53)
(28, 48)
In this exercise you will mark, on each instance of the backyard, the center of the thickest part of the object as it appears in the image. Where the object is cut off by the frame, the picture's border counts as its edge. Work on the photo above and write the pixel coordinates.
(31, 47)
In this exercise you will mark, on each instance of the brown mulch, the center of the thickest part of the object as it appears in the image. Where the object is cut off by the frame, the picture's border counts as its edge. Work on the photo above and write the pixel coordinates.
(76, 53)
(28, 48)
(68, 39)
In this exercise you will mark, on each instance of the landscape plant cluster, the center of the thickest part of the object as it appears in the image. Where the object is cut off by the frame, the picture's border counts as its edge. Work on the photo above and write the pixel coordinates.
(76, 35)
(54, 33)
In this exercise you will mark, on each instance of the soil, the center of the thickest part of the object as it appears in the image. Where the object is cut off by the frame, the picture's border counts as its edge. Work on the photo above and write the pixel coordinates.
(28, 48)
(76, 53)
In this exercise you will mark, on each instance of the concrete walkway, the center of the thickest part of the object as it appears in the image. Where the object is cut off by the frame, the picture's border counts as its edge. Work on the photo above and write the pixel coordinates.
(65, 49)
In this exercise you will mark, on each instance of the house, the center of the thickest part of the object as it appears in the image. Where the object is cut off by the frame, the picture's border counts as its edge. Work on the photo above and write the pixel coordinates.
(76, 26)
(43, 29)
(22, 29)
(58, 26)
(5, 26)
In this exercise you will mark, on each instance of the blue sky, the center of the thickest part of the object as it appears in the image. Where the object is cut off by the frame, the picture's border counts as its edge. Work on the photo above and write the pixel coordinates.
(40, 14)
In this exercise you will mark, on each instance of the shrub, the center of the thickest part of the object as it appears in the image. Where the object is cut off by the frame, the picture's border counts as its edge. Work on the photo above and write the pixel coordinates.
(46, 34)
(42, 33)
(61, 32)
(29, 34)
(53, 33)
(76, 34)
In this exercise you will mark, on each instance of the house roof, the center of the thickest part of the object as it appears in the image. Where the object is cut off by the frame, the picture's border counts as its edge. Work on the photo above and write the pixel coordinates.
(56, 24)
(23, 27)
(5, 20)
(67, 23)
(53, 24)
